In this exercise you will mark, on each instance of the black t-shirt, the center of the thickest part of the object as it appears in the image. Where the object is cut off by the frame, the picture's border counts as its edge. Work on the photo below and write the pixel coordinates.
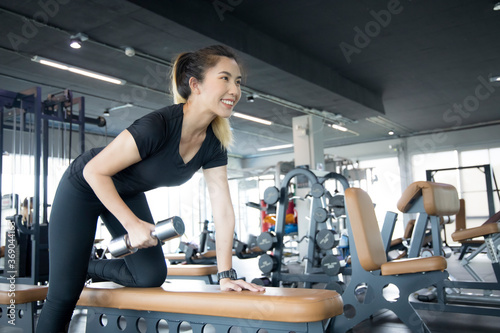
(157, 136)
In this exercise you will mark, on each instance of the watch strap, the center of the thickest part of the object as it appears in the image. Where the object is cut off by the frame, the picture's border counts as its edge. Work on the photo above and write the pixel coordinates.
(231, 274)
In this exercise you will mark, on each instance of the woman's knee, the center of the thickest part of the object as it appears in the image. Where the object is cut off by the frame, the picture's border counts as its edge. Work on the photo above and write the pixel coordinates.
(154, 278)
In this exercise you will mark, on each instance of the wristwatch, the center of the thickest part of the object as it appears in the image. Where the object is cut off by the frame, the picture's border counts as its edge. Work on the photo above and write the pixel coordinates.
(227, 274)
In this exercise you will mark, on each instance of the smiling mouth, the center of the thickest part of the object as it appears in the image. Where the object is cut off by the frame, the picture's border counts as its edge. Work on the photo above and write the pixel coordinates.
(228, 102)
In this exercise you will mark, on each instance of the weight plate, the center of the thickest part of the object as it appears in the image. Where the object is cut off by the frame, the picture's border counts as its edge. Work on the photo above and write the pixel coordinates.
(325, 239)
(267, 263)
(320, 215)
(330, 265)
(317, 190)
(271, 195)
(266, 240)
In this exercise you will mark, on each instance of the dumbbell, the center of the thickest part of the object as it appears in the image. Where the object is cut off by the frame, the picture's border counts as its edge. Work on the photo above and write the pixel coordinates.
(271, 195)
(330, 265)
(262, 281)
(320, 215)
(267, 263)
(338, 286)
(326, 239)
(165, 230)
(267, 240)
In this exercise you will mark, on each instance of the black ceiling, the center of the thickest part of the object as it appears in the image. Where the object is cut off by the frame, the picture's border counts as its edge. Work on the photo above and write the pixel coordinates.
(410, 66)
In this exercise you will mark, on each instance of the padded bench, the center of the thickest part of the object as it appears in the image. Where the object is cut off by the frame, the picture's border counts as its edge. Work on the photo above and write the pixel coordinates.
(18, 305)
(191, 272)
(192, 257)
(491, 234)
(275, 309)
(431, 201)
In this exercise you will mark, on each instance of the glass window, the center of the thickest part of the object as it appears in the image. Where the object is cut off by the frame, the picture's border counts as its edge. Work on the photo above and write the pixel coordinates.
(383, 184)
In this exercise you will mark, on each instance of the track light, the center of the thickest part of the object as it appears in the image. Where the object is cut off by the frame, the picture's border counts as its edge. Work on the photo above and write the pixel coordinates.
(250, 99)
(338, 127)
(495, 78)
(76, 70)
(496, 6)
(76, 41)
(251, 118)
(276, 147)
(106, 112)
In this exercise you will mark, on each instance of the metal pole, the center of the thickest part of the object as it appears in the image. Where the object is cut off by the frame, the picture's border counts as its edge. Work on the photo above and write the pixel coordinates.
(489, 189)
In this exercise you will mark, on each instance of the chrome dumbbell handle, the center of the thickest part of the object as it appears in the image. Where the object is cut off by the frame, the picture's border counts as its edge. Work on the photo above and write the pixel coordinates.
(164, 230)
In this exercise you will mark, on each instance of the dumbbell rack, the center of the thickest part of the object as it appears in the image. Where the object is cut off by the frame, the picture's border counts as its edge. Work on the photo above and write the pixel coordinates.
(312, 274)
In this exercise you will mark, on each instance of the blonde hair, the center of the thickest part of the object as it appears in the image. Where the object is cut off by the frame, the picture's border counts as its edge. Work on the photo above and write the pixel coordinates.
(195, 64)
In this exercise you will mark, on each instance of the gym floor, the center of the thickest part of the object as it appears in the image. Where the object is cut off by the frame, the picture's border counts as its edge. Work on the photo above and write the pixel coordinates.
(386, 321)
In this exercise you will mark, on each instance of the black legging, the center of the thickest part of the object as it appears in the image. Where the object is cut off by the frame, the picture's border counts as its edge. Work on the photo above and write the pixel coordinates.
(72, 228)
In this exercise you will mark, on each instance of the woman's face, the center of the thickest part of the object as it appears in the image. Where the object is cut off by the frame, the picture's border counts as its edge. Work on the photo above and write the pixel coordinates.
(220, 90)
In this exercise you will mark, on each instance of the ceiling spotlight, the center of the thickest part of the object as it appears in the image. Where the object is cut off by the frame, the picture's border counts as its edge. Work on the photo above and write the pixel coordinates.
(106, 113)
(129, 51)
(390, 132)
(496, 6)
(77, 40)
(250, 99)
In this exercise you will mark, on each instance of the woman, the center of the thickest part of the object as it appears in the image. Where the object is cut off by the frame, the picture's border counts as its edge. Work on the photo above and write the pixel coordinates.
(163, 148)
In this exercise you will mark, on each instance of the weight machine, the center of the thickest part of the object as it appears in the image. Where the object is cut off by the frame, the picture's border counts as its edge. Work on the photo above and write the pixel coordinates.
(28, 126)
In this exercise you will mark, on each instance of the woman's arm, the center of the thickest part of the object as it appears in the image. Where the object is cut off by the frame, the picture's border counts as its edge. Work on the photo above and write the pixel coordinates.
(118, 155)
(223, 214)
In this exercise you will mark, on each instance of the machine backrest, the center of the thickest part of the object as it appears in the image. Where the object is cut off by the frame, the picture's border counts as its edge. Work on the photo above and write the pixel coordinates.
(439, 199)
(409, 229)
(365, 230)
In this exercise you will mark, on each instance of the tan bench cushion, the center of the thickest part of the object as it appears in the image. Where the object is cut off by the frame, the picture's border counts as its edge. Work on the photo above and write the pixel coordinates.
(182, 256)
(175, 256)
(439, 199)
(414, 265)
(274, 304)
(23, 293)
(191, 270)
(484, 230)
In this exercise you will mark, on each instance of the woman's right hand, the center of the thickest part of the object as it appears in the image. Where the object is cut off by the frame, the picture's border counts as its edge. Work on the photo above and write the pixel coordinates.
(140, 235)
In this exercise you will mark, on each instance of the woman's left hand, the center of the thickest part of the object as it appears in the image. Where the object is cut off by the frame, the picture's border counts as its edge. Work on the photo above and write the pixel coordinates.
(239, 285)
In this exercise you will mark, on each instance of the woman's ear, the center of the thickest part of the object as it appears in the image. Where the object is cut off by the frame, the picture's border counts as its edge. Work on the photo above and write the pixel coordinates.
(194, 85)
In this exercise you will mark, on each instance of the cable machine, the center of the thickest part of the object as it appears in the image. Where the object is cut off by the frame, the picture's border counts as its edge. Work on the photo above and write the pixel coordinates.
(30, 131)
